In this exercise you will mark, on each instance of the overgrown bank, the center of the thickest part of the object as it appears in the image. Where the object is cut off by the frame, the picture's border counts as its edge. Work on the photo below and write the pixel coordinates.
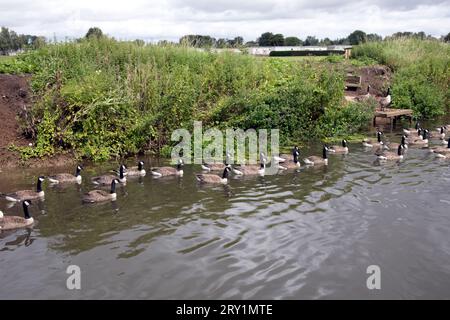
(421, 72)
(103, 98)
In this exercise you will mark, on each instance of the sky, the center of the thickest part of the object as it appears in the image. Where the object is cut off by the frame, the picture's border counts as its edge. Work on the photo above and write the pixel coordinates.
(171, 19)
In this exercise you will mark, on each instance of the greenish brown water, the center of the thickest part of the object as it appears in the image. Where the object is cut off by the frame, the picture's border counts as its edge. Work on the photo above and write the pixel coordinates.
(295, 235)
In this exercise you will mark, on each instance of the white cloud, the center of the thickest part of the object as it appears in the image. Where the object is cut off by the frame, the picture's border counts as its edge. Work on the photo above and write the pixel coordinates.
(170, 19)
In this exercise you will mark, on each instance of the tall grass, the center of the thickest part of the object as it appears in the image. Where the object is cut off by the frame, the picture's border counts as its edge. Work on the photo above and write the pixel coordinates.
(103, 98)
(421, 72)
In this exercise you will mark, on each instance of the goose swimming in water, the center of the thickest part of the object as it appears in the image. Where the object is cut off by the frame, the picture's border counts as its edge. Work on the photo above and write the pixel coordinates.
(107, 179)
(389, 155)
(15, 222)
(27, 194)
(315, 160)
(101, 195)
(295, 162)
(340, 149)
(137, 171)
(168, 171)
(67, 177)
(252, 169)
(214, 178)
(412, 130)
(378, 144)
(216, 166)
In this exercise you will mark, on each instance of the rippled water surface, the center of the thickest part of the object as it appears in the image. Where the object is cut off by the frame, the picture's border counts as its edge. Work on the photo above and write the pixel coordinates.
(295, 235)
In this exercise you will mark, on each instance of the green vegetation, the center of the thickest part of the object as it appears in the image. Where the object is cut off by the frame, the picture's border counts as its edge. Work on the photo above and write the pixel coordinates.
(103, 98)
(421, 72)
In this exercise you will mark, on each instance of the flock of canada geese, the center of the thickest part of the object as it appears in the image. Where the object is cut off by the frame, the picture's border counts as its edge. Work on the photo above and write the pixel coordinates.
(384, 151)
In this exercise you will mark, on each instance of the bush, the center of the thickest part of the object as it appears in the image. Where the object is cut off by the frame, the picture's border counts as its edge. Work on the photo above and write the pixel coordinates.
(102, 98)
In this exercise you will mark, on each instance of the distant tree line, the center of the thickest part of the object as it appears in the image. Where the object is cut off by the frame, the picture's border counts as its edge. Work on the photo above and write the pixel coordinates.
(10, 41)
(269, 39)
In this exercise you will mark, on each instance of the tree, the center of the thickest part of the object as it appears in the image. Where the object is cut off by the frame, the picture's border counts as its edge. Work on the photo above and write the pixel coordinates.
(94, 32)
(277, 40)
(198, 41)
(326, 42)
(357, 37)
(447, 37)
(292, 41)
(5, 41)
(374, 37)
(265, 40)
(311, 41)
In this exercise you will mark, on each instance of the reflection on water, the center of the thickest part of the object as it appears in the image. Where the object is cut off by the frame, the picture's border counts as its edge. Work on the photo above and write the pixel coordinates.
(296, 235)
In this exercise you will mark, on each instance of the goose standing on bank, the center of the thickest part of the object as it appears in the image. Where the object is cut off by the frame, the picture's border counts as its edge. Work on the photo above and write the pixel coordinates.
(168, 171)
(27, 194)
(315, 160)
(67, 177)
(138, 171)
(102, 195)
(386, 101)
(343, 149)
(108, 178)
(15, 222)
(390, 155)
(365, 96)
(214, 178)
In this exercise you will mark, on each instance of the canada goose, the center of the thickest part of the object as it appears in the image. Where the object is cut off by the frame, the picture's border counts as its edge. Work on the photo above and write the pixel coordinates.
(441, 149)
(252, 169)
(412, 130)
(108, 178)
(27, 194)
(440, 135)
(389, 155)
(295, 163)
(442, 155)
(102, 195)
(136, 171)
(340, 149)
(67, 177)
(216, 166)
(169, 171)
(386, 101)
(315, 160)
(213, 178)
(394, 145)
(379, 144)
(15, 222)
(422, 140)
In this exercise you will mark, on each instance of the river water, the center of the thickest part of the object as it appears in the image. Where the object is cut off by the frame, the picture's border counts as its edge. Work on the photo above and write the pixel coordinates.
(296, 235)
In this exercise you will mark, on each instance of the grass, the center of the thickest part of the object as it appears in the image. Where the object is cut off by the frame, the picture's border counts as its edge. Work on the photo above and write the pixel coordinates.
(104, 98)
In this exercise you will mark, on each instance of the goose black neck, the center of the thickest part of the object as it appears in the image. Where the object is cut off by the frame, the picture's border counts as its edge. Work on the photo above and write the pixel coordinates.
(26, 213)
(417, 125)
(140, 166)
(425, 134)
(324, 153)
(379, 136)
(113, 187)
(179, 166)
(403, 140)
(295, 157)
(121, 172)
(344, 143)
(39, 185)
(262, 165)
(399, 150)
(442, 130)
(225, 173)
(77, 173)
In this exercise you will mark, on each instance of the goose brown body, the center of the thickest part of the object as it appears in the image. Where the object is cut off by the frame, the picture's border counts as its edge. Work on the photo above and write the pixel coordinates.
(22, 195)
(214, 178)
(15, 222)
(101, 195)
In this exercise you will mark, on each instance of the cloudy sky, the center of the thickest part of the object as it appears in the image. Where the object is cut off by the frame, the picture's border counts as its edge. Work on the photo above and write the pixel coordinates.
(170, 19)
